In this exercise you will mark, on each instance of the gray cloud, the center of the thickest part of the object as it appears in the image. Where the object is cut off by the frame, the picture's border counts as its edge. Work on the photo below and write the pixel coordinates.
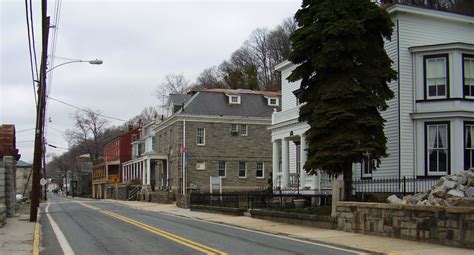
(139, 41)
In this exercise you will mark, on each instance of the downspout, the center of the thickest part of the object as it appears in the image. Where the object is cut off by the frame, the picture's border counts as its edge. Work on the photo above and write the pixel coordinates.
(184, 156)
(399, 106)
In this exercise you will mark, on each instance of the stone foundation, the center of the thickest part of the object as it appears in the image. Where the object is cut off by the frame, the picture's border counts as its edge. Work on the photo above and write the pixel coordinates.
(453, 226)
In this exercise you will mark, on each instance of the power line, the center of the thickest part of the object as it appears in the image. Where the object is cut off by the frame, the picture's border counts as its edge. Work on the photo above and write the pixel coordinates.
(84, 110)
(55, 129)
(24, 130)
(30, 48)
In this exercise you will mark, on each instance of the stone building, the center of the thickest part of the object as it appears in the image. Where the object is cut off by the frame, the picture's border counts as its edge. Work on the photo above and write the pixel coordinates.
(219, 136)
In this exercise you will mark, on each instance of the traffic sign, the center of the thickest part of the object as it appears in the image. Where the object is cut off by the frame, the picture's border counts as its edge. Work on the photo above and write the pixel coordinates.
(115, 180)
(43, 181)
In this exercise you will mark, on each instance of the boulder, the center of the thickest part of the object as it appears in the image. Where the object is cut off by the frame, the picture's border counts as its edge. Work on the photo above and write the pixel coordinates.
(455, 193)
(450, 184)
(393, 199)
(439, 191)
(469, 192)
(441, 181)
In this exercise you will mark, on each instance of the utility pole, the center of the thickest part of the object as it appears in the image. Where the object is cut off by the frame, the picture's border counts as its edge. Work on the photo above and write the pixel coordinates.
(40, 113)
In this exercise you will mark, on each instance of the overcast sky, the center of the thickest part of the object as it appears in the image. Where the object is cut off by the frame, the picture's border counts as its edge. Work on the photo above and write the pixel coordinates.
(139, 41)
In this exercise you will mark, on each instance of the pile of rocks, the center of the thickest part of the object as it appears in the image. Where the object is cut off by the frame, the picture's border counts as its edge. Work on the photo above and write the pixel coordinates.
(449, 190)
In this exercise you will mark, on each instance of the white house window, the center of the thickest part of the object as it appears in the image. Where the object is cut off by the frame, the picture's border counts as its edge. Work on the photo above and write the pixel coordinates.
(221, 170)
(201, 136)
(437, 148)
(468, 66)
(242, 169)
(367, 166)
(153, 143)
(234, 129)
(259, 172)
(468, 146)
(234, 99)
(243, 130)
(436, 78)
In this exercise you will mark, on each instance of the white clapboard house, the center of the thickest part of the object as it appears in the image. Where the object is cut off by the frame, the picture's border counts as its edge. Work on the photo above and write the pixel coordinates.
(430, 121)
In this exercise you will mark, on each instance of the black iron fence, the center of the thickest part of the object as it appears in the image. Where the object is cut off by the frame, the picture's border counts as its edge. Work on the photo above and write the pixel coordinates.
(287, 200)
(233, 200)
(262, 200)
(384, 186)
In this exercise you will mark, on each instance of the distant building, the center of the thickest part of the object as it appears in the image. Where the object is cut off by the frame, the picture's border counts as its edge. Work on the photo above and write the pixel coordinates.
(84, 175)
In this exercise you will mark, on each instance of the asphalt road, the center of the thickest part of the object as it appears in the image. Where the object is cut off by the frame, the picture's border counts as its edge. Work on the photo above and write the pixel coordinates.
(96, 227)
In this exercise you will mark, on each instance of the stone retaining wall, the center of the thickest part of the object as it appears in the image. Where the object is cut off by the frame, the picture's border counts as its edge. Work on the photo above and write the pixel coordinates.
(3, 215)
(216, 209)
(452, 226)
(163, 197)
(311, 220)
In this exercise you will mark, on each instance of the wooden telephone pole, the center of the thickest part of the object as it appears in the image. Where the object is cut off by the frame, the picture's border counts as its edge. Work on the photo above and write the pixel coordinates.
(40, 116)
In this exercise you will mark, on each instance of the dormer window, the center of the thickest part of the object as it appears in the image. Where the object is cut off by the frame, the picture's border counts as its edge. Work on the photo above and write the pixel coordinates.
(273, 101)
(234, 99)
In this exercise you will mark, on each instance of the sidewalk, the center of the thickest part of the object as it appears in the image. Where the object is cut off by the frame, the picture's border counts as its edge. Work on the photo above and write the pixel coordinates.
(16, 237)
(368, 243)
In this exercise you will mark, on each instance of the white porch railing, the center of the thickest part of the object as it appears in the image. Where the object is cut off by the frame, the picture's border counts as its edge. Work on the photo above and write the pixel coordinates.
(290, 114)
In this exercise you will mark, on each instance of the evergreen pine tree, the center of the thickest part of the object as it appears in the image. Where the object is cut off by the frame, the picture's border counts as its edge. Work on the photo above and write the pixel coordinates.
(344, 70)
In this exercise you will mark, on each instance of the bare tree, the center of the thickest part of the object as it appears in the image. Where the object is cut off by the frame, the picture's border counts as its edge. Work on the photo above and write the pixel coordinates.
(147, 115)
(173, 84)
(88, 128)
(210, 78)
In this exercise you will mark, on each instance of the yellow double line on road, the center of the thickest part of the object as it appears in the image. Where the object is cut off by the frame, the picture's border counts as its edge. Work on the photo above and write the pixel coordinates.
(181, 240)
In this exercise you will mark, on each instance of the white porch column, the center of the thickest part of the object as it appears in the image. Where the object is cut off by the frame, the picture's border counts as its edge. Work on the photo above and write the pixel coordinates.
(303, 157)
(142, 172)
(316, 181)
(148, 170)
(285, 163)
(275, 163)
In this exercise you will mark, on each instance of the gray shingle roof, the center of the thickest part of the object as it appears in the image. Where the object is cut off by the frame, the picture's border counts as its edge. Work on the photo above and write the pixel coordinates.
(177, 99)
(214, 102)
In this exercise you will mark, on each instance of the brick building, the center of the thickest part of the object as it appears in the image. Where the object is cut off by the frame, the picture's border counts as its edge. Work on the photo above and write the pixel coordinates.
(116, 152)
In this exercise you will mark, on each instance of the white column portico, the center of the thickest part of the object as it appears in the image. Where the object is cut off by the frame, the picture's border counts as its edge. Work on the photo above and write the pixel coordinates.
(303, 157)
(148, 166)
(285, 163)
(275, 163)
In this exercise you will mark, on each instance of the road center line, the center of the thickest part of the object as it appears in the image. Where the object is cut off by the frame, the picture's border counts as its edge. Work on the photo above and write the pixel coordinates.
(67, 250)
(181, 240)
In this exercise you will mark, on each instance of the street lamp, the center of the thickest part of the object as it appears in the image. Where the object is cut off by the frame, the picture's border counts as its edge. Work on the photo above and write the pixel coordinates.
(92, 62)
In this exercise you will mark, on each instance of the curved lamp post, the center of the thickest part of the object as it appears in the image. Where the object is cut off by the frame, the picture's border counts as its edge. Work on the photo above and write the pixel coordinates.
(92, 62)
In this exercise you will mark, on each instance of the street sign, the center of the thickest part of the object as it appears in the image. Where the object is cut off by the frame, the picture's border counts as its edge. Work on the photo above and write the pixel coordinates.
(115, 180)
(43, 181)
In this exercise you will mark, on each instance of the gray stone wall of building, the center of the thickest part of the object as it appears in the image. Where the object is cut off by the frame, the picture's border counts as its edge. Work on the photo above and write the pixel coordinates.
(220, 145)
(3, 208)
(452, 226)
(10, 184)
